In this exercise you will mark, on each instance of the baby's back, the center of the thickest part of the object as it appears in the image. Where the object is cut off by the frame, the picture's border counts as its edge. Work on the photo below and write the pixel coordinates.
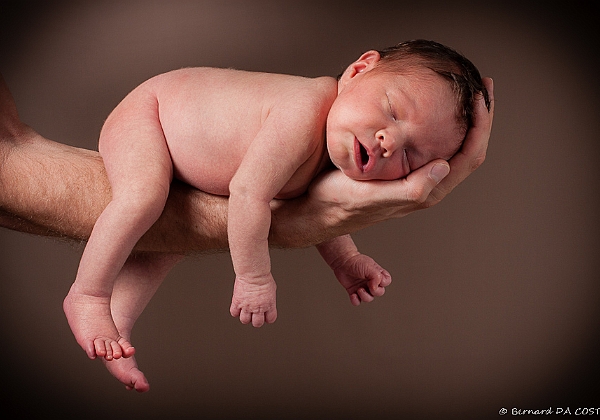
(211, 116)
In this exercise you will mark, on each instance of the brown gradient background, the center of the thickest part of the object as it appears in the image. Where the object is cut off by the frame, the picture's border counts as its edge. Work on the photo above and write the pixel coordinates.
(496, 295)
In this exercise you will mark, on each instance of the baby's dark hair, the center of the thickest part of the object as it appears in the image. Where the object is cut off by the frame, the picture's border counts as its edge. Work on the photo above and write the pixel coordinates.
(462, 75)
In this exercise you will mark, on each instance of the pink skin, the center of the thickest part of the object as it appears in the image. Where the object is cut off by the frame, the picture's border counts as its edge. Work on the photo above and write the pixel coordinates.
(126, 371)
(381, 126)
(248, 295)
(363, 278)
(359, 274)
(135, 285)
(384, 125)
(98, 339)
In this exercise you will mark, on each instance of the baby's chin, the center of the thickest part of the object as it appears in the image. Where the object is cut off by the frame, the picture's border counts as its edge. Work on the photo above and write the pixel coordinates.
(343, 171)
(337, 166)
(335, 162)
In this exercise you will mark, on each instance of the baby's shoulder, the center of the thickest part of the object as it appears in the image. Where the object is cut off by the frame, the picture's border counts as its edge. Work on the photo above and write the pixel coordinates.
(271, 84)
(192, 75)
(308, 94)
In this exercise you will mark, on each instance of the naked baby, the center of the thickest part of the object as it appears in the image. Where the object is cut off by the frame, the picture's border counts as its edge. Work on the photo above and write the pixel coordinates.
(255, 137)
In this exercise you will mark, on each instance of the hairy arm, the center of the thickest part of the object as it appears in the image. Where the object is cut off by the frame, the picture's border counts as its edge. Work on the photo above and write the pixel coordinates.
(51, 189)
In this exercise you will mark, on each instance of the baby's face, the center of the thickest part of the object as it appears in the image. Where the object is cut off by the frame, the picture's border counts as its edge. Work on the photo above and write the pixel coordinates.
(384, 125)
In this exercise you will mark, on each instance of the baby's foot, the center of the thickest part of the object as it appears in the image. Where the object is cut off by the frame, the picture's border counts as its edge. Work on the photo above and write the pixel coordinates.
(126, 371)
(90, 320)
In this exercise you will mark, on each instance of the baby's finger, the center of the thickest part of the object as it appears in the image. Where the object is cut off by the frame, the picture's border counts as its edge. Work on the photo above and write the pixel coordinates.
(354, 299)
(258, 319)
(245, 316)
(271, 316)
(386, 278)
(376, 290)
(234, 310)
(364, 295)
(377, 285)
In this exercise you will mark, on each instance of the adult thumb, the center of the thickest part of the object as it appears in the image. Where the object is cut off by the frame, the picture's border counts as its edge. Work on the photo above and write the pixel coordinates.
(439, 171)
(420, 183)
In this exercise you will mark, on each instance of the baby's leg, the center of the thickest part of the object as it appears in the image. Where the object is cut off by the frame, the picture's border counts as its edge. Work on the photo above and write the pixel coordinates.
(139, 170)
(135, 285)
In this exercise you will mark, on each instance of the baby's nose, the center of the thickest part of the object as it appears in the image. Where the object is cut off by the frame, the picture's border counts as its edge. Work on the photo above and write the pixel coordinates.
(387, 143)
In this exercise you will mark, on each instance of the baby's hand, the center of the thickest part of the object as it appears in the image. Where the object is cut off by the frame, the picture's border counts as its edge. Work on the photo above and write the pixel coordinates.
(363, 278)
(254, 301)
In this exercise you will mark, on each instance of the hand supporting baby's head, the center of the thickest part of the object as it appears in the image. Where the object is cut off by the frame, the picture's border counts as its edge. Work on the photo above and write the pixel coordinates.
(400, 108)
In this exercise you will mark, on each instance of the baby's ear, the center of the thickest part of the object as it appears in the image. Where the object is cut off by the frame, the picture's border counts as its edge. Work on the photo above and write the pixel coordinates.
(366, 62)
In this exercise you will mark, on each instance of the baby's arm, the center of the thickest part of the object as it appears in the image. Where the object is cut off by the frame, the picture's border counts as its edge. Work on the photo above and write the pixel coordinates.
(249, 220)
(283, 144)
(362, 277)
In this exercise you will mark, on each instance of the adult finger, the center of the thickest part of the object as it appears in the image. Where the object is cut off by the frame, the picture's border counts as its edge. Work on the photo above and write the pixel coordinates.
(398, 198)
(473, 151)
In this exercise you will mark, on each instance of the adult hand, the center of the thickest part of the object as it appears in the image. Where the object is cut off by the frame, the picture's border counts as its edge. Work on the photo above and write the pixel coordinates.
(340, 205)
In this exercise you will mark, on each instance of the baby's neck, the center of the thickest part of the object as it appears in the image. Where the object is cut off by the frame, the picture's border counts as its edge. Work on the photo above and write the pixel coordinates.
(326, 162)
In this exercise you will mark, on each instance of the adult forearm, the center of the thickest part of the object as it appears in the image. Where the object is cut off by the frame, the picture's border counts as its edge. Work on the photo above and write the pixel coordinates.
(47, 188)
(304, 221)
(51, 189)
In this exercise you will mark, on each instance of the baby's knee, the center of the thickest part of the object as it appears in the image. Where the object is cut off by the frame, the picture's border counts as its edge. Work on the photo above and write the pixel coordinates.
(147, 203)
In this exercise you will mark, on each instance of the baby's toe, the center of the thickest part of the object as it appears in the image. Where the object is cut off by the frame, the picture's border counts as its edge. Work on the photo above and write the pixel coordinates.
(127, 350)
(100, 348)
(116, 350)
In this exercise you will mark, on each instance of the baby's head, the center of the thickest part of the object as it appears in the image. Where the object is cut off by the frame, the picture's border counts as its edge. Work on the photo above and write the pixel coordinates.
(400, 108)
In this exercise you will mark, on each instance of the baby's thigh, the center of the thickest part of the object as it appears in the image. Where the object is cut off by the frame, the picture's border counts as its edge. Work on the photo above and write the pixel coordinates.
(133, 146)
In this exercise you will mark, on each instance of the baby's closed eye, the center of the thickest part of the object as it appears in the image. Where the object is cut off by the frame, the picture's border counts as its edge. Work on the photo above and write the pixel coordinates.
(391, 108)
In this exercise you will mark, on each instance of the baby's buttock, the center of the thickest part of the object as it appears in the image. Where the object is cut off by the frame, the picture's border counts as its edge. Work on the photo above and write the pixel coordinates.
(211, 171)
(206, 137)
(202, 169)
(200, 159)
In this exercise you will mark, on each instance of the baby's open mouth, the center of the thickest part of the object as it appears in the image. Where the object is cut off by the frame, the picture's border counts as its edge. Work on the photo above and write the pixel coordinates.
(364, 155)
(361, 155)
